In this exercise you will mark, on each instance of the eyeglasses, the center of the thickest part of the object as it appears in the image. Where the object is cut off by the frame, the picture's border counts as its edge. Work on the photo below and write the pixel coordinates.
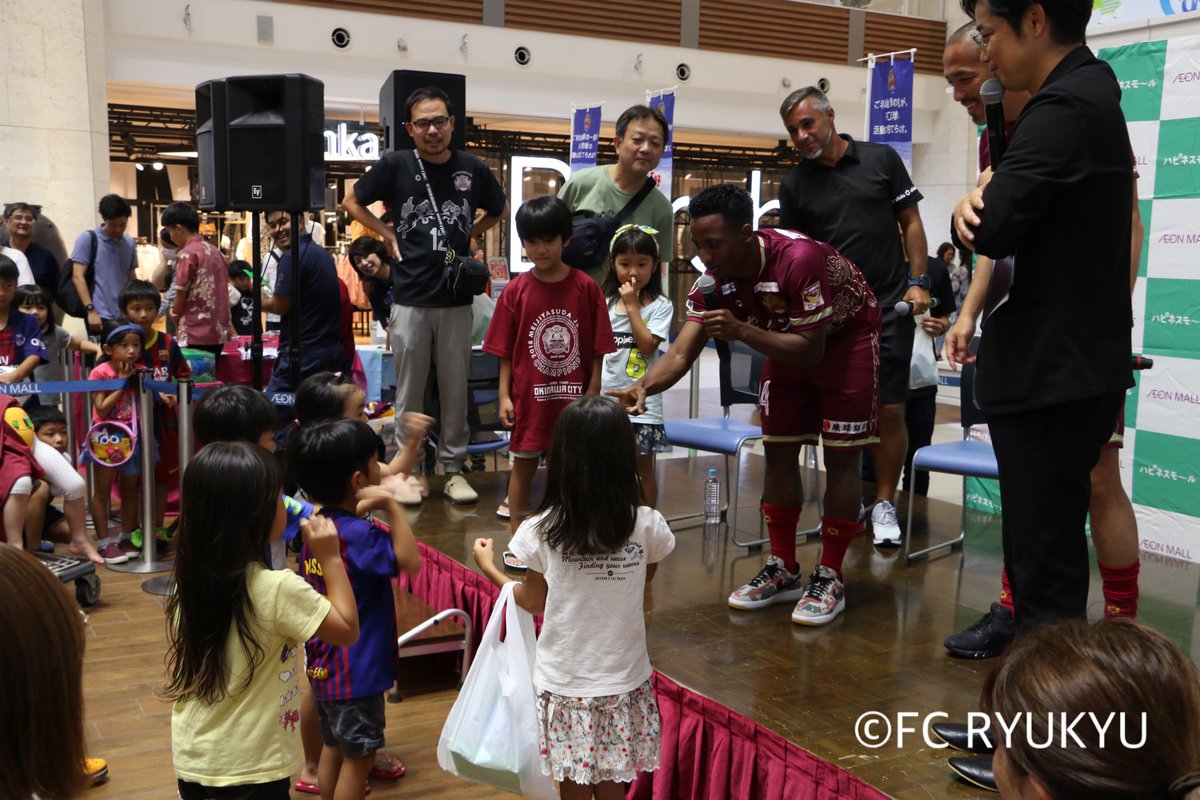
(981, 37)
(22, 218)
(426, 124)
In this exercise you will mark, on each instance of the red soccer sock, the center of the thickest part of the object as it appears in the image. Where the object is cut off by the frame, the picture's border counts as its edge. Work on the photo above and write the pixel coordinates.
(781, 527)
(1120, 585)
(1005, 591)
(836, 535)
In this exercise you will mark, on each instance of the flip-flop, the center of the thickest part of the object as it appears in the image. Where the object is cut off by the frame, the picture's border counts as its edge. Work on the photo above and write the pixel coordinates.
(502, 511)
(398, 771)
(512, 562)
(308, 787)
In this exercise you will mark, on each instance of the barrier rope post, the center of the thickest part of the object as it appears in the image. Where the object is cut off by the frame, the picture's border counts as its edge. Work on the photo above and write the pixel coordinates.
(147, 563)
(91, 468)
(65, 358)
(186, 444)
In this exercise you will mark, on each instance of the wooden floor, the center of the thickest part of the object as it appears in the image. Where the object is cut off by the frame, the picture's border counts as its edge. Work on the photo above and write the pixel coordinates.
(808, 684)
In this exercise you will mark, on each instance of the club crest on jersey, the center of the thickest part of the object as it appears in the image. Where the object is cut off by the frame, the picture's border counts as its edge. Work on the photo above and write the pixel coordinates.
(811, 296)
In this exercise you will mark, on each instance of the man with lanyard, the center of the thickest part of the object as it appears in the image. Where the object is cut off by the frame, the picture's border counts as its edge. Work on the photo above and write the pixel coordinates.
(433, 193)
(859, 197)
(801, 304)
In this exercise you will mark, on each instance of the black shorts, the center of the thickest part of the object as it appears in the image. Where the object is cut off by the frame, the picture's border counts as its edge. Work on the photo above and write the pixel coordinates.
(53, 515)
(275, 790)
(895, 357)
(353, 726)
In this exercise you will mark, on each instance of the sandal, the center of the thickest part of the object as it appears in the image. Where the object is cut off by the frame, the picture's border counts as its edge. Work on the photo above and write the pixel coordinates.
(397, 770)
(502, 511)
(309, 787)
(512, 562)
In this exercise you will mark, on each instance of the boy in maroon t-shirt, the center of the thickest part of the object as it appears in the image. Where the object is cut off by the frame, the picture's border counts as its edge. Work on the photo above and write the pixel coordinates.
(550, 331)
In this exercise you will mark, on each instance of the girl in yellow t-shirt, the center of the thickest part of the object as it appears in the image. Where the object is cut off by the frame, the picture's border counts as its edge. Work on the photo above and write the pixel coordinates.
(236, 627)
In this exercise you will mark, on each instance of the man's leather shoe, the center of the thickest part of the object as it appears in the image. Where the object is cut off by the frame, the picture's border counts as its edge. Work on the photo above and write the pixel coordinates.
(975, 770)
(957, 735)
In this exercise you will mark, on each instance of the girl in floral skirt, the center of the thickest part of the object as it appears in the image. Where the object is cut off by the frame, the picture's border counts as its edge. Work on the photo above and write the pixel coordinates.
(591, 549)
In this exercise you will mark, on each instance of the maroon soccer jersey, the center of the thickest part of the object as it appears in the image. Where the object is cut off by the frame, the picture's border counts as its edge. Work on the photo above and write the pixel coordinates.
(551, 332)
(801, 285)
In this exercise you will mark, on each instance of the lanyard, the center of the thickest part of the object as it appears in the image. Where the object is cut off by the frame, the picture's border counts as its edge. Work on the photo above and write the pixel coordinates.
(437, 215)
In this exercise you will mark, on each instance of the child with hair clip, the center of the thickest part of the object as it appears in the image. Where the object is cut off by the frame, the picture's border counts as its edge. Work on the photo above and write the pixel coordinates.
(337, 466)
(37, 302)
(590, 554)
(641, 320)
(234, 627)
(328, 396)
(121, 347)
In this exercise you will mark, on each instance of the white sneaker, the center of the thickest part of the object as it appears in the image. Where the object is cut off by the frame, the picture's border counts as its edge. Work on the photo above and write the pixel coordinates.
(884, 525)
(458, 491)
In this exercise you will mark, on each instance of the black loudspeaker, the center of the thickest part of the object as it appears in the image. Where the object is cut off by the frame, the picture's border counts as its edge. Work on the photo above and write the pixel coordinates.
(276, 142)
(394, 93)
(212, 149)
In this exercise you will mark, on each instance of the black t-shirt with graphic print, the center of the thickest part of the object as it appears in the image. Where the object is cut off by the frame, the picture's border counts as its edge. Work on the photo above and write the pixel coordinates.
(461, 186)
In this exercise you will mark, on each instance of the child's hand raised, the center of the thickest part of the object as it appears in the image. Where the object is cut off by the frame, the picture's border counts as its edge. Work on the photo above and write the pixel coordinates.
(484, 552)
(416, 426)
(124, 369)
(321, 536)
(373, 498)
(629, 294)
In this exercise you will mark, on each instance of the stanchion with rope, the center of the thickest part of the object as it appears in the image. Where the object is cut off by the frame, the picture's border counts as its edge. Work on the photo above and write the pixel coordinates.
(164, 585)
(148, 563)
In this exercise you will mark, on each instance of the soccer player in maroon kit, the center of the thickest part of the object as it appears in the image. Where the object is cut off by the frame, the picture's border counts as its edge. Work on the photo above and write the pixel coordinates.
(809, 310)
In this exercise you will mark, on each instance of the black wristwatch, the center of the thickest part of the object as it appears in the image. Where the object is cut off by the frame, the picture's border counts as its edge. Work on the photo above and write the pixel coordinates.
(89, 307)
(922, 282)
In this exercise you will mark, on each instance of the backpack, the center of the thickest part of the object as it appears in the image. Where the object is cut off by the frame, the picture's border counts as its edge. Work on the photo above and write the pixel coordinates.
(67, 295)
(591, 235)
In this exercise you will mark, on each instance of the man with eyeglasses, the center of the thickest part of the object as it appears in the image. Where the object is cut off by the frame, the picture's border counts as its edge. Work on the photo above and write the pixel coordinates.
(1053, 363)
(20, 219)
(430, 323)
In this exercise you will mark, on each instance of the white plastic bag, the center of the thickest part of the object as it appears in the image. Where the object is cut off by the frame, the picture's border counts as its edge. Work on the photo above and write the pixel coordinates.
(922, 369)
(491, 734)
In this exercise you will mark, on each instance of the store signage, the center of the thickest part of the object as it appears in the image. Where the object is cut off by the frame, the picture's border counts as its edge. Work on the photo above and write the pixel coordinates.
(342, 143)
(516, 195)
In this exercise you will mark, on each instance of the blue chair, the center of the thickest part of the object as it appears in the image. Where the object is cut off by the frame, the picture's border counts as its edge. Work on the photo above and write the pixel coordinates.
(484, 384)
(740, 370)
(968, 458)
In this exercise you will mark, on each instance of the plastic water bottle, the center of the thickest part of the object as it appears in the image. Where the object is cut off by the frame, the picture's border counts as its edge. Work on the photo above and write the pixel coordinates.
(712, 499)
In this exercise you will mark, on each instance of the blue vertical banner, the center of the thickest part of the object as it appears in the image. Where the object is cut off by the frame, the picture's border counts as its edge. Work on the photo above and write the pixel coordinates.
(585, 136)
(889, 116)
(664, 101)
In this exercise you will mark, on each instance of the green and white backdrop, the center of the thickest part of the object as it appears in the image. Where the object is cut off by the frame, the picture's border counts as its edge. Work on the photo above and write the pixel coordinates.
(1160, 463)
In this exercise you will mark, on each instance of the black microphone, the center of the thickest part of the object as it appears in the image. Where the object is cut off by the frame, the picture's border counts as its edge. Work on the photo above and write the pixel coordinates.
(992, 95)
(904, 309)
(707, 285)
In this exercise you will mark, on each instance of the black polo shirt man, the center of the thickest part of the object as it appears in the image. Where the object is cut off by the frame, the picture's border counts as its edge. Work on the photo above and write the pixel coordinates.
(858, 197)
(1053, 364)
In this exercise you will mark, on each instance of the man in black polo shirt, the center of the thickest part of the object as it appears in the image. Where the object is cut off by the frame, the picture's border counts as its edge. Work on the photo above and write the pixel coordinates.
(319, 307)
(858, 197)
(431, 324)
(1054, 359)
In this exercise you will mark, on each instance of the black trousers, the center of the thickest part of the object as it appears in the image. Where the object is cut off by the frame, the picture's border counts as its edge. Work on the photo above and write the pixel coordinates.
(1045, 458)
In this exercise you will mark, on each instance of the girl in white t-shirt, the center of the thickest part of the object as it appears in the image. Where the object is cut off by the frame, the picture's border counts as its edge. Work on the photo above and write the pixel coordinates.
(590, 549)
(236, 627)
(641, 320)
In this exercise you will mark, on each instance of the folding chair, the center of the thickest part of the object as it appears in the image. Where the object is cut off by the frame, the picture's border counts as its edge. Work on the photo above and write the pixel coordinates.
(740, 370)
(484, 384)
(967, 457)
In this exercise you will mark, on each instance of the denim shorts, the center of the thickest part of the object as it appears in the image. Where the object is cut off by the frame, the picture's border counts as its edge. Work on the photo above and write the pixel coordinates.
(353, 726)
